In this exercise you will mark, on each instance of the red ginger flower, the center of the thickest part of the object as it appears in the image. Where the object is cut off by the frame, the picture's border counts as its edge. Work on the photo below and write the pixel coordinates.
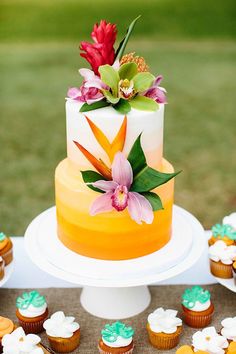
(102, 51)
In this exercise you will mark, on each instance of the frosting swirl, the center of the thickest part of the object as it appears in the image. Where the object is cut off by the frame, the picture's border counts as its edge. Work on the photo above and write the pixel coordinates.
(61, 326)
(6, 326)
(117, 335)
(223, 253)
(230, 220)
(31, 304)
(210, 341)
(164, 321)
(229, 328)
(196, 299)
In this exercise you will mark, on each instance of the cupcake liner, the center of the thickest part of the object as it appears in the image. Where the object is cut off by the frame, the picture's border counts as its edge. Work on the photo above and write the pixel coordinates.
(164, 341)
(220, 270)
(65, 345)
(101, 351)
(32, 325)
(198, 319)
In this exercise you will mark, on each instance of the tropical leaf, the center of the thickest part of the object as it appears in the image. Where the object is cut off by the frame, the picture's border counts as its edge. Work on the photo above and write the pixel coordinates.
(128, 71)
(112, 99)
(100, 136)
(143, 103)
(123, 106)
(119, 141)
(98, 164)
(148, 179)
(143, 81)
(89, 107)
(90, 176)
(124, 41)
(154, 200)
(136, 157)
(110, 77)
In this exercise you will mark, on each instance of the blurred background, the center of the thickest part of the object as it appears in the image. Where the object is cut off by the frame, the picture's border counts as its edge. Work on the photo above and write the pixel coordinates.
(191, 42)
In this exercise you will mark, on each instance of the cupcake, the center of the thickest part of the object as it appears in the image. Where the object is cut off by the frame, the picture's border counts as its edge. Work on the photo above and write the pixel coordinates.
(232, 348)
(31, 311)
(164, 328)
(210, 341)
(2, 267)
(6, 248)
(223, 232)
(6, 327)
(18, 342)
(186, 349)
(197, 307)
(63, 332)
(221, 259)
(116, 338)
(229, 329)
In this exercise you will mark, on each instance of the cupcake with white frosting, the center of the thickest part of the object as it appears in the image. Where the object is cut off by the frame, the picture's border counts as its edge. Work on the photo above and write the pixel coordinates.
(63, 332)
(164, 328)
(210, 341)
(197, 306)
(117, 338)
(18, 342)
(31, 311)
(221, 259)
(229, 328)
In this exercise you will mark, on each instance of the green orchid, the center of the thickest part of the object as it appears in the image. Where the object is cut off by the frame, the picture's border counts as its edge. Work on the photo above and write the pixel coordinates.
(2, 236)
(125, 87)
(194, 294)
(223, 230)
(117, 329)
(31, 298)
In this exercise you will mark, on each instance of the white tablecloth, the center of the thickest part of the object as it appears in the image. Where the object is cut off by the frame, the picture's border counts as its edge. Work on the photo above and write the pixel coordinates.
(28, 275)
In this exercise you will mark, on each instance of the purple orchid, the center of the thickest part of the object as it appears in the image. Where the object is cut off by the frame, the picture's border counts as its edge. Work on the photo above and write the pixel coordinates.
(156, 92)
(118, 196)
(90, 91)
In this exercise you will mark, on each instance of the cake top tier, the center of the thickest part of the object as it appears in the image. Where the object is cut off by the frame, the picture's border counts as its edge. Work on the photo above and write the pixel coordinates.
(115, 79)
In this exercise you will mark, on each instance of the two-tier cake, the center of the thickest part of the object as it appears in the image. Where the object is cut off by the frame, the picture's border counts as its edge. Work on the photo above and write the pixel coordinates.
(114, 191)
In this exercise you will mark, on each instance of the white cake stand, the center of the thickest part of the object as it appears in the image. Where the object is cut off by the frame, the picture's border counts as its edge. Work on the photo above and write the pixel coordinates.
(115, 289)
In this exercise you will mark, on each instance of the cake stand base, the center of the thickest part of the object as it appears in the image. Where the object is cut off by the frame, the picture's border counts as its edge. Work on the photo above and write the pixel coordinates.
(115, 289)
(115, 303)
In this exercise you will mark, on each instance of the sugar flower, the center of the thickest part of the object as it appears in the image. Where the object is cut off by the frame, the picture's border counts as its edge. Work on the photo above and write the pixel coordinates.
(210, 341)
(19, 343)
(118, 195)
(156, 92)
(229, 328)
(164, 321)
(230, 220)
(60, 326)
(221, 252)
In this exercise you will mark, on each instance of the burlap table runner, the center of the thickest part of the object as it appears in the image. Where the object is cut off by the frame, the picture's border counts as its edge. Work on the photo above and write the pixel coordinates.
(68, 301)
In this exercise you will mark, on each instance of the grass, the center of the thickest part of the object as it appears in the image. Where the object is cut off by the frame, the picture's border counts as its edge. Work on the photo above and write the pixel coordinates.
(40, 60)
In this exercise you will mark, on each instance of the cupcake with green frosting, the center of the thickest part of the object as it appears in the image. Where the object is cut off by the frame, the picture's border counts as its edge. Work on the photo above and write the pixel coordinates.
(116, 338)
(197, 307)
(223, 232)
(32, 311)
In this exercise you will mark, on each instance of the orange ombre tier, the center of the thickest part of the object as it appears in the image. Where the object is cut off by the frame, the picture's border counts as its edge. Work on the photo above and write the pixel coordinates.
(110, 236)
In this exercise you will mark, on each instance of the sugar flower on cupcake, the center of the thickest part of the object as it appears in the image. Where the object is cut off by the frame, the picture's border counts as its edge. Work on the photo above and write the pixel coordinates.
(221, 259)
(6, 248)
(164, 328)
(18, 342)
(197, 307)
(116, 338)
(223, 232)
(229, 328)
(210, 341)
(31, 311)
(63, 332)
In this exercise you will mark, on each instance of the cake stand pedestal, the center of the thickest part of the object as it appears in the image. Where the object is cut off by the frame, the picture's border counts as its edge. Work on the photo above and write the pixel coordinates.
(115, 289)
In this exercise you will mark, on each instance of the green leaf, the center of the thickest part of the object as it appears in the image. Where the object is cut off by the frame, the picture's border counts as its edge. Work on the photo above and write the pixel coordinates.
(136, 157)
(124, 41)
(128, 71)
(89, 107)
(90, 176)
(143, 81)
(110, 77)
(123, 106)
(148, 179)
(144, 103)
(154, 200)
(110, 97)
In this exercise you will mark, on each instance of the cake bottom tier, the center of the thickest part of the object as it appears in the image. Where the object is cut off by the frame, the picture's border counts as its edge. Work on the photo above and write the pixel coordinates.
(108, 236)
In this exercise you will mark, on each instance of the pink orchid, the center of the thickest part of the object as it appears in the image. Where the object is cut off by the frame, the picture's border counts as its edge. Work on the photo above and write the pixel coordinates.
(90, 91)
(156, 92)
(117, 195)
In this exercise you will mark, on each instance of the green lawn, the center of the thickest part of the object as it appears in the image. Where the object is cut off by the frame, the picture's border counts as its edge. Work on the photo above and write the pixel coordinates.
(40, 60)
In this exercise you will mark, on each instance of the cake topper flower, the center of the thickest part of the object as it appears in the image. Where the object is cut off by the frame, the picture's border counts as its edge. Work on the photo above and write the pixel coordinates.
(122, 81)
(222, 230)
(194, 294)
(32, 298)
(117, 329)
